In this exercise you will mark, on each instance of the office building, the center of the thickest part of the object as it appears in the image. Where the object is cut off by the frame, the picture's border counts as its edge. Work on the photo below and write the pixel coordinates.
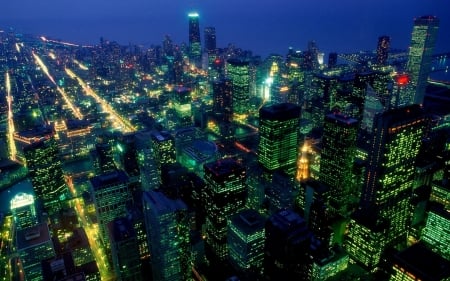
(111, 195)
(23, 210)
(47, 177)
(423, 40)
(397, 137)
(167, 223)
(419, 263)
(436, 232)
(238, 71)
(34, 244)
(336, 161)
(224, 195)
(210, 39)
(383, 49)
(279, 137)
(103, 157)
(195, 47)
(245, 238)
(288, 247)
(124, 250)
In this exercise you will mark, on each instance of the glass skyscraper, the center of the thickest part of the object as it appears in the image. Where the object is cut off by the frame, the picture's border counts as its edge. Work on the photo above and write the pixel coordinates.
(167, 224)
(423, 40)
(46, 172)
(195, 48)
(239, 73)
(278, 136)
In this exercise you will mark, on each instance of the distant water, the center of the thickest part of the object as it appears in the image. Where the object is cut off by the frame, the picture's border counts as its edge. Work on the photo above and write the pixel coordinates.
(7, 194)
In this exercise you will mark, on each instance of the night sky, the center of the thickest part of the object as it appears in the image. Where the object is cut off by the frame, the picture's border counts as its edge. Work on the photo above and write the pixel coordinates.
(262, 26)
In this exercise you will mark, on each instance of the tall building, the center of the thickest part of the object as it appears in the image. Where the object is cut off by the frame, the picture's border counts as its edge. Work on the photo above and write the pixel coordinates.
(397, 137)
(238, 71)
(223, 100)
(336, 161)
(195, 48)
(210, 39)
(224, 195)
(23, 210)
(419, 263)
(111, 195)
(279, 136)
(164, 150)
(383, 49)
(246, 236)
(436, 232)
(124, 250)
(288, 247)
(46, 172)
(167, 224)
(423, 40)
(34, 244)
(103, 157)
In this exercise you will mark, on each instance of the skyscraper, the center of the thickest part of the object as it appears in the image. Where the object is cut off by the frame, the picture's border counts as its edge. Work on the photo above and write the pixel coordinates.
(336, 160)
(224, 195)
(278, 136)
(111, 195)
(167, 224)
(239, 73)
(288, 247)
(397, 136)
(383, 49)
(420, 55)
(124, 250)
(246, 241)
(46, 172)
(210, 39)
(195, 48)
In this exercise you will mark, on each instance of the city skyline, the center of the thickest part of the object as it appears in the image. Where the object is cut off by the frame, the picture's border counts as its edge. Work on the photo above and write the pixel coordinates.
(263, 28)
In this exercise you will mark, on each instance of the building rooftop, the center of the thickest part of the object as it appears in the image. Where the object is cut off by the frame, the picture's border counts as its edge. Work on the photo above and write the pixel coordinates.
(280, 112)
(32, 236)
(161, 203)
(248, 221)
(423, 263)
(106, 179)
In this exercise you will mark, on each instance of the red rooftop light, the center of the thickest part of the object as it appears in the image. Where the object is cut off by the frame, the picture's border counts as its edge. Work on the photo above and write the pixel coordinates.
(402, 79)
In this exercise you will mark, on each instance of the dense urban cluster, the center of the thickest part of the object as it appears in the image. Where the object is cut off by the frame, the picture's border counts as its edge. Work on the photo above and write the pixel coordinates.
(198, 162)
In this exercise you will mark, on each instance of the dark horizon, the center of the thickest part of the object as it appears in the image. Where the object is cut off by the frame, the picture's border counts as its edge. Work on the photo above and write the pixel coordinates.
(262, 28)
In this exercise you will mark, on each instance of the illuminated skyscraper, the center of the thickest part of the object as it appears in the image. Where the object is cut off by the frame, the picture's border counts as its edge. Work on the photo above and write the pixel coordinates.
(23, 210)
(223, 100)
(210, 39)
(224, 195)
(246, 241)
(164, 150)
(46, 172)
(124, 250)
(111, 195)
(383, 49)
(167, 223)
(239, 73)
(420, 55)
(336, 160)
(397, 136)
(195, 48)
(278, 136)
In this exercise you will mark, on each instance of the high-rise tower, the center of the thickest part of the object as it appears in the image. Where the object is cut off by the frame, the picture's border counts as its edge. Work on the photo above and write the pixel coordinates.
(337, 157)
(224, 196)
(167, 224)
(397, 136)
(278, 136)
(46, 171)
(383, 49)
(210, 39)
(239, 73)
(195, 48)
(420, 55)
